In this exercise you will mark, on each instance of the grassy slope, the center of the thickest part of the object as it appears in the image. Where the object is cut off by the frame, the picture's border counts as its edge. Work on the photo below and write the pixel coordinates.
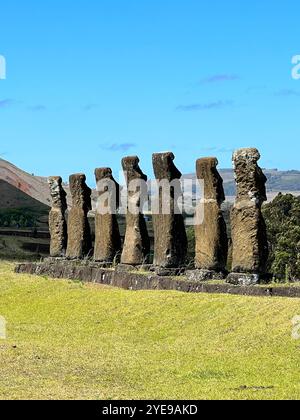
(67, 340)
(11, 248)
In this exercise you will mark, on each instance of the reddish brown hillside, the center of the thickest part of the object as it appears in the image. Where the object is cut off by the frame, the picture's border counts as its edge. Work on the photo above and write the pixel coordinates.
(33, 186)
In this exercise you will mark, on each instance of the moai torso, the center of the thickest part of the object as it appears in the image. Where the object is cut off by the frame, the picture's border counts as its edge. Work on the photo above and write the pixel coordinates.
(249, 236)
(79, 235)
(136, 247)
(57, 220)
(107, 235)
(170, 240)
(210, 228)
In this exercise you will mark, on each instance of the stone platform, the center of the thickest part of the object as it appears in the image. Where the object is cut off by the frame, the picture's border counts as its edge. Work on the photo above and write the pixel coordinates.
(137, 280)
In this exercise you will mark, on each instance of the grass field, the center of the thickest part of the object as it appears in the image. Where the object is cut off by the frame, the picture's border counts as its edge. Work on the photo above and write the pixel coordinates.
(14, 248)
(72, 341)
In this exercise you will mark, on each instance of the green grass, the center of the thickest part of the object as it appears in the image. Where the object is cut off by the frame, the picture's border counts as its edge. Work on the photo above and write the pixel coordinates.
(11, 248)
(67, 340)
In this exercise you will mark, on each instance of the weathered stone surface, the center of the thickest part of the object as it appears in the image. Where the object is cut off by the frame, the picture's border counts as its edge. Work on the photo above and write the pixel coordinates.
(210, 229)
(125, 268)
(57, 220)
(204, 275)
(249, 240)
(170, 240)
(169, 272)
(79, 235)
(107, 235)
(250, 179)
(249, 234)
(136, 247)
(242, 279)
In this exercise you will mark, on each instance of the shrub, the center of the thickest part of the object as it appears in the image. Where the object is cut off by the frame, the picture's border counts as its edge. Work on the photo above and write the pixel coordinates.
(283, 223)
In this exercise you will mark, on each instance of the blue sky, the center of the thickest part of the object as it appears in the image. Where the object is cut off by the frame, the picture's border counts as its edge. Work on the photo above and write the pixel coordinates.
(89, 82)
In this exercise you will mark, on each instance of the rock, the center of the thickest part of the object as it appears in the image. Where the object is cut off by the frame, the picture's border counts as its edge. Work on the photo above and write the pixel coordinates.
(79, 235)
(125, 268)
(250, 180)
(57, 220)
(249, 233)
(136, 247)
(107, 235)
(204, 275)
(170, 240)
(169, 272)
(210, 229)
(242, 279)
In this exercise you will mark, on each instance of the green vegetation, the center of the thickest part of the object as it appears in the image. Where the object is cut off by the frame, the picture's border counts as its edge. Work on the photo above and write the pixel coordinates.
(19, 218)
(67, 340)
(283, 223)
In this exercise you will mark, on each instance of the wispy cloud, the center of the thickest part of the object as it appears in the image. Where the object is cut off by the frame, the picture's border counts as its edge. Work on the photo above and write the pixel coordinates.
(217, 78)
(4, 103)
(118, 147)
(205, 106)
(287, 92)
(37, 108)
(90, 107)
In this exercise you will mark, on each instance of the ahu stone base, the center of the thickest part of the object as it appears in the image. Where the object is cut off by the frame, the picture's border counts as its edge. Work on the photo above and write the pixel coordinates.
(168, 272)
(204, 275)
(242, 279)
(127, 268)
(87, 271)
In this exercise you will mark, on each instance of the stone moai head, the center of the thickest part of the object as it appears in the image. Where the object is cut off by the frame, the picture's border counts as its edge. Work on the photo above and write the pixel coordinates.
(213, 182)
(57, 192)
(164, 168)
(168, 177)
(103, 173)
(250, 179)
(81, 193)
(132, 171)
(107, 184)
(136, 180)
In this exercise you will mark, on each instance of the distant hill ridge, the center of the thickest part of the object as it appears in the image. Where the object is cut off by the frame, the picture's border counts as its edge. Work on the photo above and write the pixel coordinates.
(278, 181)
(36, 187)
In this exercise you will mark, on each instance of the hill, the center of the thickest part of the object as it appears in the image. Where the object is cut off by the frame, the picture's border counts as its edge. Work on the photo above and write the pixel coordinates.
(67, 340)
(278, 181)
(12, 198)
(32, 186)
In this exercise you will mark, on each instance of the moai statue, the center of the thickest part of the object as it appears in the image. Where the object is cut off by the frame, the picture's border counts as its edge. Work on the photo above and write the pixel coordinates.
(136, 247)
(57, 220)
(170, 240)
(107, 234)
(210, 227)
(79, 235)
(249, 233)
